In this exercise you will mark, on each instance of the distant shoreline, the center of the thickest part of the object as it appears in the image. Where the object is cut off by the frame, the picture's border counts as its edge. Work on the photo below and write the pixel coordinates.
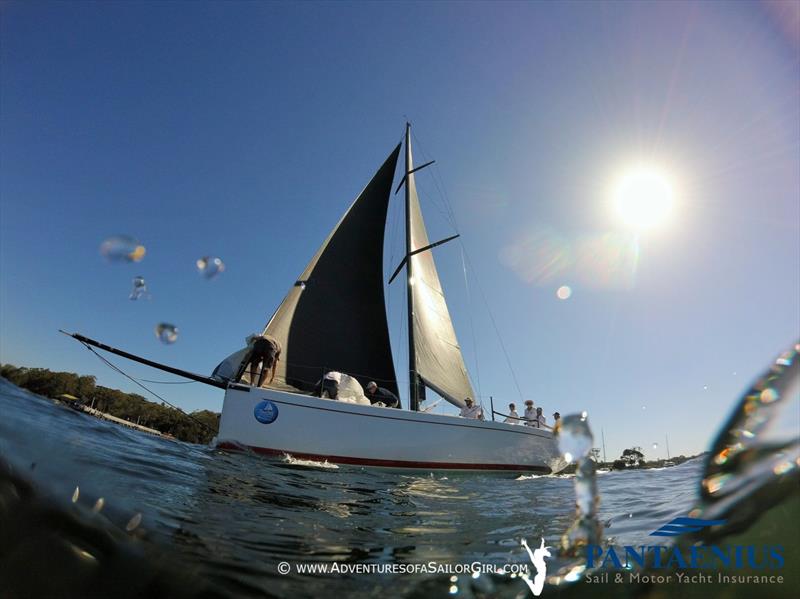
(197, 427)
(663, 463)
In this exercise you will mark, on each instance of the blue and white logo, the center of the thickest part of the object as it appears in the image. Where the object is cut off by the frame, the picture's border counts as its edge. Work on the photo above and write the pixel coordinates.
(266, 412)
(678, 526)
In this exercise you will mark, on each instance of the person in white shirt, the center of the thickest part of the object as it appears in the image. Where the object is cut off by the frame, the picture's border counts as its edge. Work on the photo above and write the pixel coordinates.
(471, 410)
(329, 385)
(530, 413)
(541, 421)
(513, 417)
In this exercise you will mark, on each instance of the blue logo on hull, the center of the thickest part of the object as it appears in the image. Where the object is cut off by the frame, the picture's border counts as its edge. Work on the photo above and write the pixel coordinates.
(266, 412)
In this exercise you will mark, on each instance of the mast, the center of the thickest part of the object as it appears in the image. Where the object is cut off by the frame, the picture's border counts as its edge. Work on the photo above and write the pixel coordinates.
(603, 434)
(667, 438)
(413, 390)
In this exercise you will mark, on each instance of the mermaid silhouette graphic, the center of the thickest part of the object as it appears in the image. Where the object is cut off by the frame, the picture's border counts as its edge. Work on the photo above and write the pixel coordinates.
(537, 559)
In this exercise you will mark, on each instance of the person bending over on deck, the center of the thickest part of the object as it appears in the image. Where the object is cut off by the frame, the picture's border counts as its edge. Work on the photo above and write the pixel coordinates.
(471, 410)
(513, 417)
(266, 351)
(377, 394)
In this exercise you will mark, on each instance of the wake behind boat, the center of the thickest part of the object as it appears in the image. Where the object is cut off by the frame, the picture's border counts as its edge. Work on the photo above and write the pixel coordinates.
(333, 319)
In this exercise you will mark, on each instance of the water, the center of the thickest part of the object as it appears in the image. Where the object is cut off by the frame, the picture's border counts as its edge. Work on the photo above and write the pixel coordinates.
(232, 518)
(88, 508)
(210, 266)
(122, 248)
(139, 289)
(166, 333)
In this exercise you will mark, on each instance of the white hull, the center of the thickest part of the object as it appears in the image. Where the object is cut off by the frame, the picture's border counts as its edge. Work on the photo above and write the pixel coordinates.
(311, 428)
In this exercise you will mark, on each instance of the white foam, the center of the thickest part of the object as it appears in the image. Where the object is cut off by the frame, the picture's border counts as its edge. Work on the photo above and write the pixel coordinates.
(309, 463)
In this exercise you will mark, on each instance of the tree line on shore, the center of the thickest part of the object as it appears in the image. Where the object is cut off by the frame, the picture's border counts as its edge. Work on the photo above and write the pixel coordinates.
(201, 427)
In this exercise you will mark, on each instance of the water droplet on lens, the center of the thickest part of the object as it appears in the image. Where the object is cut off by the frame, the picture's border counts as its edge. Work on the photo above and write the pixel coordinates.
(98, 505)
(167, 333)
(564, 292)
(210, 266)
(133, 522)
(644, 407)
(453, 589)
(705, 387)
(575, 438)
(76, 494)
(122, 248)
(769, 395)
(655, 445)
(139, 288)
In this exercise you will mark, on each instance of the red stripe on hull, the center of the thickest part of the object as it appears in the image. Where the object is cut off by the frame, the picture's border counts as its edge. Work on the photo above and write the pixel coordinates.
(387, 463)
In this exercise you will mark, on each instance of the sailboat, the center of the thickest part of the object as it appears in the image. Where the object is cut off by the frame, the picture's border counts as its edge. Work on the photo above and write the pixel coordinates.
(333, 319)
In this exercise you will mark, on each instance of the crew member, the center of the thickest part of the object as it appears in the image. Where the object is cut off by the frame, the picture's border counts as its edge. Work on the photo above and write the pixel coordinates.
(470, 410)
(330, 384)
(513, 417)
(377, 394)
(541, 421)
(265, 351)
(530, 414)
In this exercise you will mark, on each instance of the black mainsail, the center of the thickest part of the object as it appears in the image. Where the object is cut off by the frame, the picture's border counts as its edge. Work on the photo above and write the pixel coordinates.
(334, 317)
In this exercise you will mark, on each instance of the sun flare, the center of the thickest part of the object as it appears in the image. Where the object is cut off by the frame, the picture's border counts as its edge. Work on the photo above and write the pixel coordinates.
(643, 197)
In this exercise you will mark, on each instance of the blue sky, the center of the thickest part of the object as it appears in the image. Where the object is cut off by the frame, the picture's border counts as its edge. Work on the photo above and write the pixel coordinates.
(244, 130)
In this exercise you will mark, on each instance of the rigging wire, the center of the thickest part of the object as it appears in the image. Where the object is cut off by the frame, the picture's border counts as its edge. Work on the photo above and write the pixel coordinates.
(438, 182)
(126, 375)
(448, 206)
(496, 329)
(471, 324)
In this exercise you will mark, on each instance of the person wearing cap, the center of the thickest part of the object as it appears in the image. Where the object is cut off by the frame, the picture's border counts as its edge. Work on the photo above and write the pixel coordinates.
(377, 394)
(329, 385)
(556, 419)
(530, 413)
(470, 410)
(513, 417)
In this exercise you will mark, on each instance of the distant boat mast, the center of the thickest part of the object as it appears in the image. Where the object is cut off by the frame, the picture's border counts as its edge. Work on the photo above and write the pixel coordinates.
(602, 433)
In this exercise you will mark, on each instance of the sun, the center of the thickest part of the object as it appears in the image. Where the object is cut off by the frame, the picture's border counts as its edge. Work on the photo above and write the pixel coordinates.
(644, 197)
